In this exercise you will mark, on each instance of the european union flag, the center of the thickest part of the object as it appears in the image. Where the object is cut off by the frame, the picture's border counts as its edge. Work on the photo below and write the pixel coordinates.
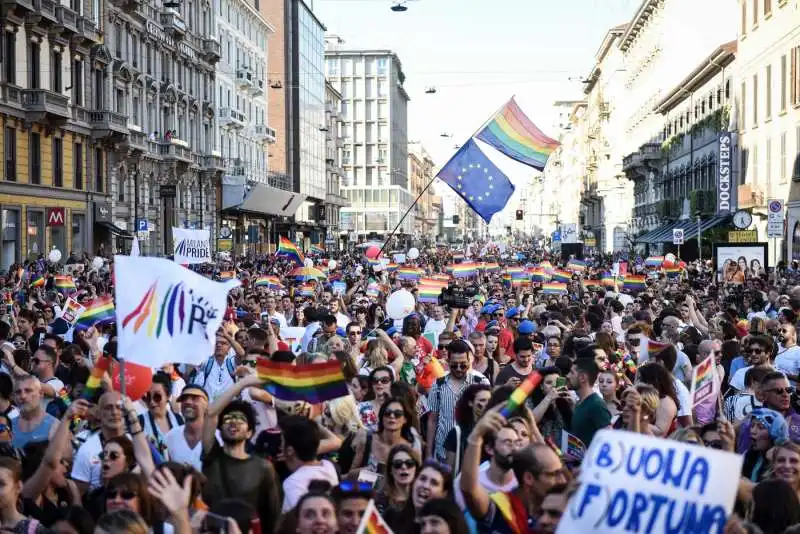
(483, 186)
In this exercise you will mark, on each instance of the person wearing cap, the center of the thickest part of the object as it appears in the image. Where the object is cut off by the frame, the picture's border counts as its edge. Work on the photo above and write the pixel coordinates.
(184, 442)
(485, 317)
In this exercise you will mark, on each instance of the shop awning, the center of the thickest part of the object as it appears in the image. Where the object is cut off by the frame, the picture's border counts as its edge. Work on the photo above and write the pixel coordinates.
(116, 230)
(260, 199)
(689, 226)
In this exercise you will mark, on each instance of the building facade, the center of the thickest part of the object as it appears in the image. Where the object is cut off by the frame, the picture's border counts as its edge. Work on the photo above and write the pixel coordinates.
(335, 174)
(420, 176)
(375, 151)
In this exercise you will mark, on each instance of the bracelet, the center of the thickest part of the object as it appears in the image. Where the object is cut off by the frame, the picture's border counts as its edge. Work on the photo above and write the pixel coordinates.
(137, 433)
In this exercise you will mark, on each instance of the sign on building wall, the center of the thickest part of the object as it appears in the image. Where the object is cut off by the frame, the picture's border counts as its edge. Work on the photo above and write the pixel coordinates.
(726, 184)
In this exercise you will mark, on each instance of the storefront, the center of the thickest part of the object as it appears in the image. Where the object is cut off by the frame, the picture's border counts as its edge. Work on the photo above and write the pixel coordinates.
(109, 237)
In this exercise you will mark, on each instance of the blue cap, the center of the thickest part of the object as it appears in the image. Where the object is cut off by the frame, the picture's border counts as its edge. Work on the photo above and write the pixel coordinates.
(490, 309)
(513, 312)
(774, 422)
(391, 331)
(526, 327)
(340, 332)
(492, 324)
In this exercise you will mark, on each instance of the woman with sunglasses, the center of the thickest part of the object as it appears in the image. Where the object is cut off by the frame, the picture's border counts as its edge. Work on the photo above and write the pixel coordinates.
(159, 418)
(401, 470)
(128, 491)
(434, 481)
(394, 428)
(380, 382)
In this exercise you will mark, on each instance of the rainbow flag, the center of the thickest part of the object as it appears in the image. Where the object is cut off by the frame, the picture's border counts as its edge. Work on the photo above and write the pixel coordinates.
(513, 511)
(491, 268)
(271, 282)
(391, 268)
(428, 294)
(317, 249)
(633, 282)
(433, 282)
(64, 282)
(608, 280)
(101, 310)
(305, 290)
(538, 274)
(408, 273)
(227, 275)
(513, 134)
(372, 522)
(315, 383)
(703, 386)
(95, 381)
(672, 272)
(39, 281)
(592, 285)
(442, 277)
(654, 261)
(576, 266)
(521, 393)
(654, 347)
(516, 273)
(554, 288)
(559, 275)
(373, 289)
(464, 270)
(572, 446)
(547, 266)
(288, 249)
(458, 256)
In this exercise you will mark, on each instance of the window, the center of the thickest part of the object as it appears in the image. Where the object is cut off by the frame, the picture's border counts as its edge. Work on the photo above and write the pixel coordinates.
(77, 162)
(755, 100)
(11, 154)
(34, 58)
(767, 8)
(135, 111)
(10, 57)
(118, 40)
(783, 83)
(755, 12)
(782, 162)
(769, 93)
(120, 101)
(35, 156)
(134, 52)
(794, 76)
(58, 162)
(768, 169)
(98, 170)
(55, 70)
(77, 81)
(743, 29)
(123, 184)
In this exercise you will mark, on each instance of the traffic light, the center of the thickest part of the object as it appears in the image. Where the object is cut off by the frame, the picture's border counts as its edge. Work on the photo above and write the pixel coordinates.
(519, 215)
(456, 219)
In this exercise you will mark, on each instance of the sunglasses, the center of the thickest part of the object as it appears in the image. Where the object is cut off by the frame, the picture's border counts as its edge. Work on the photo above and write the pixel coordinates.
(111, 456)
(234, 418)
(125, 495)
(250, 363)
(383, 380)
(155, 397)
(397, 414)
(461, 366)
(781, 391)
(442, 347)
(403, 464)
(498, 315)
(350, 485)
(754, 351)
(634, 341)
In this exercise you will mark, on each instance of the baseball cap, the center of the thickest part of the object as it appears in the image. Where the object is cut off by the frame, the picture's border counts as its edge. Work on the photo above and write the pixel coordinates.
(492, 324)
(192, 389)
(513, 312)
(489, 309)
(526, 327)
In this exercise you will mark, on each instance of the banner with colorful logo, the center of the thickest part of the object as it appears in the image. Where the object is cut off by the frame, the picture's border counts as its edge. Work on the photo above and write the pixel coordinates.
(191, 246)
(165, 313)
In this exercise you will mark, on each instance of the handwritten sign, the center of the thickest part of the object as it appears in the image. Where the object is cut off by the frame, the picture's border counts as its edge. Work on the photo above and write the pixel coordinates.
(72, 310)
(636, 483)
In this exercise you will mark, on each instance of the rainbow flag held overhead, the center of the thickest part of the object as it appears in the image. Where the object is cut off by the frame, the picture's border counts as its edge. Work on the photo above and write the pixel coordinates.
(560, 275)
(464, 270)
(409, 273)
(521, 393)
(271, 282)
(433, 282)
(576, 265)
(672, 272)
(288, 249)
(634, 282)
(592, 285)
(39, 281)
(538, 274)
(100, 311)
(64, 283)
(315, 383)
(654, 261)
(513, 134)
(391, 268)
(554, 288)
(608, 280)
(654, 347)
(95, 381)
(429, 294)
(372, 522)
(516, 273)
(491, 268)
(305, 290)
(227, 275)
(547, 266)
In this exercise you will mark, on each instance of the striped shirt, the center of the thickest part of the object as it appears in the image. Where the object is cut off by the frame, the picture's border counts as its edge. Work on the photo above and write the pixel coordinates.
(442, 400)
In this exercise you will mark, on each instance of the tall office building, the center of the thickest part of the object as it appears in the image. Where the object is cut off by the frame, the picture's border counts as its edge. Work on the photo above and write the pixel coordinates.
(375, 134)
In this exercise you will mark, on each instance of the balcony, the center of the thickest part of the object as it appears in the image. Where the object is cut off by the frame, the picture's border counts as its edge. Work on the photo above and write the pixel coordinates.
(67, 19)
(107, 124)
(212, 50)
(137, 141)
(212, 162)
(258, 87)
(265, 133)
(173, 24)
(43, 105)
(231, 117)
(20, 7)
(244, 78)
(128, 5)
(87, 29)
(235, 167)
(12, 95)
(650, 152)
(46, 9)
(750, 196)
(171, 151)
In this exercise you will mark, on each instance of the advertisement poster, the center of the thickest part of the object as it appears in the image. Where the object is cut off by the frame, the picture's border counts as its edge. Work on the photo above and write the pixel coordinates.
(736, 262)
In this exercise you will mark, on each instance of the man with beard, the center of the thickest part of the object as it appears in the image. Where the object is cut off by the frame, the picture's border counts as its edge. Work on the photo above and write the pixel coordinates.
(230, 471)
(184, 443)
(87, 467)
(33, 423)
(788, 358)
(494, 474)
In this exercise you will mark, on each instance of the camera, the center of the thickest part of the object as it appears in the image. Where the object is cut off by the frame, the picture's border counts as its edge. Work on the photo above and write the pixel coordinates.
(458, 297)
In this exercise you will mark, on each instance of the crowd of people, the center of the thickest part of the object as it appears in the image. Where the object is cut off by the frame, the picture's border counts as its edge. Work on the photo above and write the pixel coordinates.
(422, 437)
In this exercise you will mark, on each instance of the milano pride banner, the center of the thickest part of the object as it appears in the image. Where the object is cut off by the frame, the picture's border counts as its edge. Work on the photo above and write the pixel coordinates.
(191, 246)
(636, 483)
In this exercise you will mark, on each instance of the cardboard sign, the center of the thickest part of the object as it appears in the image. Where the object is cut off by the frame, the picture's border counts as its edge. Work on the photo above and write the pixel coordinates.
(636, 483)
(72, 310)
(191, 246)
(704, 386)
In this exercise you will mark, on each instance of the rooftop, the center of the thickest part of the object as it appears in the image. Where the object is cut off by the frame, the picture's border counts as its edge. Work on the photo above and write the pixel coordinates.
(637, 22)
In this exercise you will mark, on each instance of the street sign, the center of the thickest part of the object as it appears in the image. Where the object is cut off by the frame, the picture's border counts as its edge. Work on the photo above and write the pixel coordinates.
(141, 236)
(556, 236)
(141, 225)
(569, 233)
(225, 232)
(677, 236)
(775, 218)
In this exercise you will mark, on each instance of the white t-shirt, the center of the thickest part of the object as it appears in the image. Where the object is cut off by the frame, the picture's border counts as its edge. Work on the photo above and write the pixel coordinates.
(87, 466)
(296, 485)
(682, 362)
(788, 361)
(684, 397)
(57, 386)
(437, 327)
(483, 479)
(179, 450)
(342, 320)
(281, 319)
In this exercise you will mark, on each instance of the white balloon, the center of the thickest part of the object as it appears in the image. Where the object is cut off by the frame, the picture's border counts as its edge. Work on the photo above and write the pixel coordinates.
(400, 304)
(359, 269)
(308, 263)
(670, 258)
(54, 256)
(413, 254)
(97, 262)
(332, 264)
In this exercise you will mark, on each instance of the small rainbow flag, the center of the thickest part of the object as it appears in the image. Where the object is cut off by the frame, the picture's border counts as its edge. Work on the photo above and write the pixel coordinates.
(654, 347)
(633, 282)
(608, 280)
(572, 445)
(288, 249)
(101, 310)
(576, 266)
(372, 522)
(592, 284)
(64, 282)
(547, 266)
(315, 383)
(305, 290)
(95, 381)
(408, 273)
(464, 270)
(554, 288)
(433, 282)
(391, 268)
(271, 282)
(521, 393)
(538, 274)
(703, 380)
(227, 275)
(428, 294)
(654, 261)
(39, 281)
(672, 272)
(560, 275)
(491, 268)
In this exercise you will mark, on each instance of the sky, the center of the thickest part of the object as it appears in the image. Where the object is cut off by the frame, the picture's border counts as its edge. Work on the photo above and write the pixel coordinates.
(479, 53)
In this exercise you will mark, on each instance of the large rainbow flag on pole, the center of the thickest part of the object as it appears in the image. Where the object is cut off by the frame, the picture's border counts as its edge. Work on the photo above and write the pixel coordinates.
(288, 249)
(511, 132)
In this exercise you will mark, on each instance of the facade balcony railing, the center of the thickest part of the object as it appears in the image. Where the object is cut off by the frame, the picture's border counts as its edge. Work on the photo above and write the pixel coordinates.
(280, 180)
(67, 18)
(47, 10)
(43, 104)
(264, 132)
(175, 151)
(212, 50)
(173, 24)
(231, 117)
(107, 123)
(18, 6)
(88, 31)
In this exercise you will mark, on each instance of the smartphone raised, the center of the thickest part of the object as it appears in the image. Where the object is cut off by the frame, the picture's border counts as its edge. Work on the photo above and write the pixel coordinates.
(561, 382)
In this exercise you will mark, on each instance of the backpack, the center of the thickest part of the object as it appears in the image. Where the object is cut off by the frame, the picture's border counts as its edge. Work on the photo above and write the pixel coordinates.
(209, 366)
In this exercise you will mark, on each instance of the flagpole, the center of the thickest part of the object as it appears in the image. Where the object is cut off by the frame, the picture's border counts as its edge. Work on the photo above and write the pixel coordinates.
(403, 218)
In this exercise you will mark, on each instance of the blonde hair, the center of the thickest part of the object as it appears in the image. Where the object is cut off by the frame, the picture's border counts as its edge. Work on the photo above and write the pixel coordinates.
(649, 395)
(685, 434)
(123, 522)
(377, 355)
(344, 413)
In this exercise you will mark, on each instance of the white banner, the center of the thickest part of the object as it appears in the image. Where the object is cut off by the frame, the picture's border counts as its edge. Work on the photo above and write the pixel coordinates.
(165, 313)
(191, 246)
(636, 483)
